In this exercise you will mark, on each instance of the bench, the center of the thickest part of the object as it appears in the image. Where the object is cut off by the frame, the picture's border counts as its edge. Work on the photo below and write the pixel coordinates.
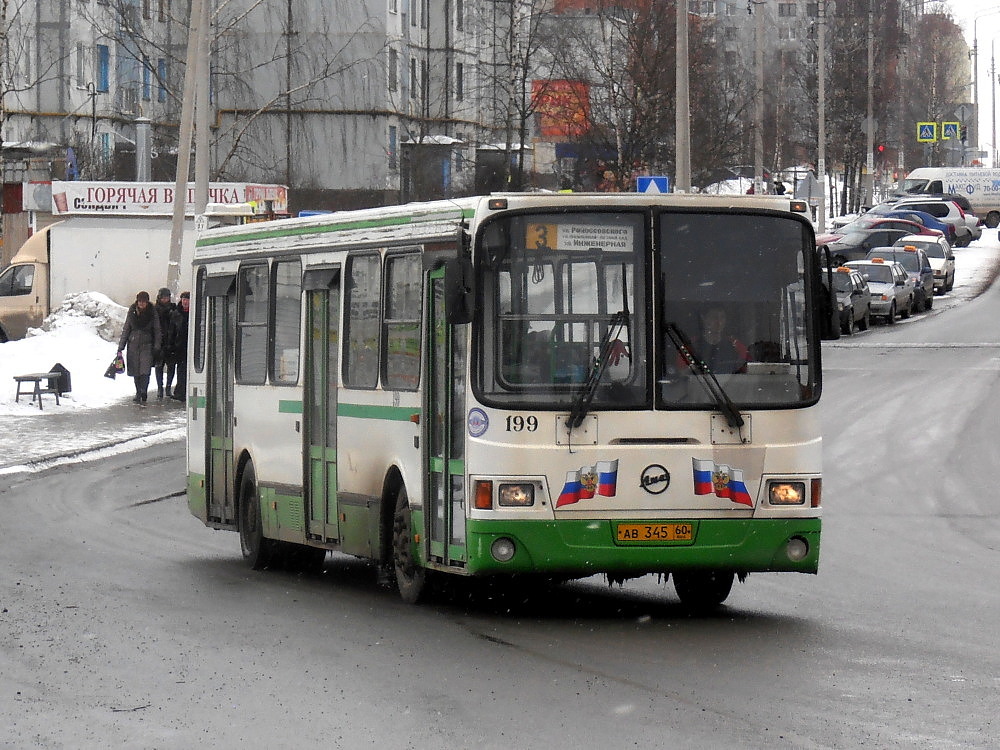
(36, 388)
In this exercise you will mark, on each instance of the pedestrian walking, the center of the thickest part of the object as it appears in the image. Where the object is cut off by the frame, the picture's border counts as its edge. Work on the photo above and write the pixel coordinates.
(177, 338)
(165, 363)
(140, 339)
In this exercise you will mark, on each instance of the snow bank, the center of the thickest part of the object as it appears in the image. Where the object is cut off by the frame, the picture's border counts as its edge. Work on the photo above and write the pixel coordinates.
(91, 309)
(82, 336)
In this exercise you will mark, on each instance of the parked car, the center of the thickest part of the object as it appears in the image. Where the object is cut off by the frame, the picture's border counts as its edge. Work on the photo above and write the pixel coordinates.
(918, 268)
(890, 286)
(837, 222)
(974, 222)
(941, 258)
(855, 245)
(869, 221)
(853, 299)
(946, 210)
(921, 217)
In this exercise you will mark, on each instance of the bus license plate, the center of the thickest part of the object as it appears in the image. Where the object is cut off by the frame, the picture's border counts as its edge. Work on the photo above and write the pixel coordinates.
(653, 533)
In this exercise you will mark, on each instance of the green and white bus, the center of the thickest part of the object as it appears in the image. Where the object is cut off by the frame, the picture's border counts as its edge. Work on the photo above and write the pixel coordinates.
(514, 384)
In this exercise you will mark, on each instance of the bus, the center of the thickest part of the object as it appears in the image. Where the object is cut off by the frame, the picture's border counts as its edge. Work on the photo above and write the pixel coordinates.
(514, 385)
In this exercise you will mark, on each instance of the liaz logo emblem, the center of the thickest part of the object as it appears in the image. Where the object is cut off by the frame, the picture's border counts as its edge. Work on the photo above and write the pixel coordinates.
(654, 479)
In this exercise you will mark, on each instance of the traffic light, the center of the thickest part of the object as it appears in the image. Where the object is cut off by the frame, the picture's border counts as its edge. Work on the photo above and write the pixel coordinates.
(964, 133)
(880, 148)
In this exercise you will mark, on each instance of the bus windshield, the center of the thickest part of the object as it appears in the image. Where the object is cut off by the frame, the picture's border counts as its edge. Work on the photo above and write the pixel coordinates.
(735, 286)
(565, 303)
(571, 318)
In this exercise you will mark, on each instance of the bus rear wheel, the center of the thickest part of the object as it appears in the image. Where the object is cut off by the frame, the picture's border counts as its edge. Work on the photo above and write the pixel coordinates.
(257, 550)
(703, 589)
(411, 579)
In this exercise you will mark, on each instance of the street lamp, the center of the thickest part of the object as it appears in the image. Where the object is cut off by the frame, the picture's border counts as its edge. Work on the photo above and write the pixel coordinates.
(975, 78)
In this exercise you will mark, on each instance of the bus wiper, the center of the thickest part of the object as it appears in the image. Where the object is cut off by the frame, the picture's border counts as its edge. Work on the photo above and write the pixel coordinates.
(705, 376)
(581, 405)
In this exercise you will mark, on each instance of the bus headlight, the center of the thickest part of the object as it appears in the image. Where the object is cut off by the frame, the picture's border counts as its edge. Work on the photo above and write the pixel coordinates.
(786, 493)
(503, 549)
(516, 495)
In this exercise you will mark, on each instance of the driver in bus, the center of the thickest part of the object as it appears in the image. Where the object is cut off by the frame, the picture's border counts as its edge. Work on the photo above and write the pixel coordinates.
(717, 347)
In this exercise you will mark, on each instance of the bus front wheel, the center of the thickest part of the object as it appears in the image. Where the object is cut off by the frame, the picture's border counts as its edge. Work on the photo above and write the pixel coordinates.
(703, 589)
(411, 579)
(257, 550)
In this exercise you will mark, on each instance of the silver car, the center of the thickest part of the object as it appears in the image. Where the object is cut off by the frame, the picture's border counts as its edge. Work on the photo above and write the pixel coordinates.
(890, 285)
(941, 258)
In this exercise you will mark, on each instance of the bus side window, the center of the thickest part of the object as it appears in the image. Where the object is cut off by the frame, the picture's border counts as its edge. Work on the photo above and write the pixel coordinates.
(361, 342)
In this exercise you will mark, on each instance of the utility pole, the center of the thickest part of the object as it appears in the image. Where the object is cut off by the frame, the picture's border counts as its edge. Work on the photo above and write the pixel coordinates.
(682, 178)
(821, 130)
(191, 82)
(4, 41)
(201, 155)
(758, 130)
(869, 186)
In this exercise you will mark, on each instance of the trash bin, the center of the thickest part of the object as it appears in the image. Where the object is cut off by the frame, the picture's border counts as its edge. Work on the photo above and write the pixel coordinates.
(63, 382)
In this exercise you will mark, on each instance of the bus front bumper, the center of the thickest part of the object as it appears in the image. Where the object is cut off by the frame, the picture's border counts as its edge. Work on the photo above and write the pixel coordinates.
(585, 547)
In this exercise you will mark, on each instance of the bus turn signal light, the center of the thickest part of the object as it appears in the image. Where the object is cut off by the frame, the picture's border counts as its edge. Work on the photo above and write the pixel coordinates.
(484, 495)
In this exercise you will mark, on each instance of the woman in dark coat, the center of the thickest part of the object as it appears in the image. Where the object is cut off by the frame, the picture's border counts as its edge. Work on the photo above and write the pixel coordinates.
(141, 337)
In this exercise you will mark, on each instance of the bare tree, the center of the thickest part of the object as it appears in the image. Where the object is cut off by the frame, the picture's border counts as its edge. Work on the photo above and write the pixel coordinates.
(625, 55)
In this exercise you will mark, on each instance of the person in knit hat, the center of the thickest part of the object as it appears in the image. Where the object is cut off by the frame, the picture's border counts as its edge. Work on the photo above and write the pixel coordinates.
(177, 342)
(140, 338)
(164, 363)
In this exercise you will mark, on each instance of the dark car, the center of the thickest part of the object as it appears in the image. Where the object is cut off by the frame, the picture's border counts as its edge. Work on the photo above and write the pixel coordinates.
(853, 299)
(855, 245)
(918, 268)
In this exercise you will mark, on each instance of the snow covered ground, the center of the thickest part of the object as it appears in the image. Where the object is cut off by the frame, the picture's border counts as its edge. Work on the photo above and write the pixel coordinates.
(97, 417)
(82, 336)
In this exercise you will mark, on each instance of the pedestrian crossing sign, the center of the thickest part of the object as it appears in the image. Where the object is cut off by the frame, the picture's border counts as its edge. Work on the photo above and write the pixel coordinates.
(926, 132)
(949, 130)
(644, 184)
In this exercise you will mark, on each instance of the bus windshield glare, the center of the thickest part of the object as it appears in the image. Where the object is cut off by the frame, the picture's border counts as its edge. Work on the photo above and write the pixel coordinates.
(575, 302)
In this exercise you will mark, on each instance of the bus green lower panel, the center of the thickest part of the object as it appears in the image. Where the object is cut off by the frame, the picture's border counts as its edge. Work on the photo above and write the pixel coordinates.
(196, 497)
(585, 547)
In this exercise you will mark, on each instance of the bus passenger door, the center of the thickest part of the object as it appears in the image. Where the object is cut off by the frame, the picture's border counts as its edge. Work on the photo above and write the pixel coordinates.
(445, 430)
(322, 346)
(219, 397)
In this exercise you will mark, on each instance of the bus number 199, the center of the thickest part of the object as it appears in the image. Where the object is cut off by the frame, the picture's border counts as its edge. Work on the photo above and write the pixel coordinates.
(519, 424)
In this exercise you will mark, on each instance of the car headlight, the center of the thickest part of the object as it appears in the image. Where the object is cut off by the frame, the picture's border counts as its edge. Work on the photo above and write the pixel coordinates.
(516, 495)
(781, 492)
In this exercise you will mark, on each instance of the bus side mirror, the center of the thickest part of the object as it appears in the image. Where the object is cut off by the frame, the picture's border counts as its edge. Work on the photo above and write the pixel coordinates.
(459, 299)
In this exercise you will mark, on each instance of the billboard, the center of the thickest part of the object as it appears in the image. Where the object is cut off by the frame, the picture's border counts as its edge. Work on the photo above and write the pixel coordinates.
(563, 107)
(152, 198)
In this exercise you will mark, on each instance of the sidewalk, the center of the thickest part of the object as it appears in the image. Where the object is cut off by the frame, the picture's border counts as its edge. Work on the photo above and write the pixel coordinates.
(28, 444)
